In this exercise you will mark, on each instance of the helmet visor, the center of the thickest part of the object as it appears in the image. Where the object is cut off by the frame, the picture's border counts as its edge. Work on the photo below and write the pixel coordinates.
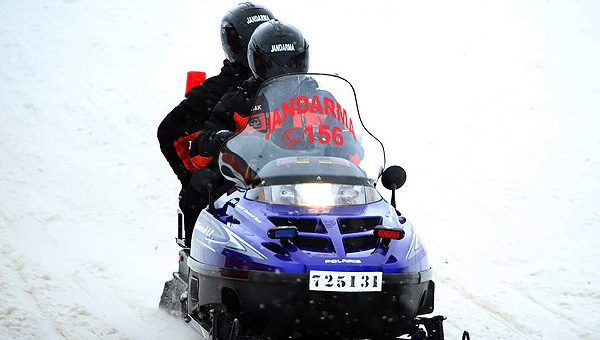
(269, 65)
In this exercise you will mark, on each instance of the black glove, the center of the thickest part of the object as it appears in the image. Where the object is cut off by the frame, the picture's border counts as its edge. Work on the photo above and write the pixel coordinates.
(221, 137)
(183, 175)
(353, 147)
(349, 149)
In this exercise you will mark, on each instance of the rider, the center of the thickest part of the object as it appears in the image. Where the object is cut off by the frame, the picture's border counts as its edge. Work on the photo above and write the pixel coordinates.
(231, 113)
(183, 123)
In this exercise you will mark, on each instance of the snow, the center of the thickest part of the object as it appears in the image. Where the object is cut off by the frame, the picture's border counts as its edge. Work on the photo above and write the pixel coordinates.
(491, 107)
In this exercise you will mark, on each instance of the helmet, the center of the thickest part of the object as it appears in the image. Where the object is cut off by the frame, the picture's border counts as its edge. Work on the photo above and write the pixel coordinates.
(237, 27)
(277, 48)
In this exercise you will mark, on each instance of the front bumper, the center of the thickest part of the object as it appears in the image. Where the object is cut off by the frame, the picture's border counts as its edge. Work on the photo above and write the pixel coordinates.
(281, 304)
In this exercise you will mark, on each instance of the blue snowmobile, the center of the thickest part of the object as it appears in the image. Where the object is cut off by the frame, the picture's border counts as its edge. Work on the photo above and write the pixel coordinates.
(304, 245)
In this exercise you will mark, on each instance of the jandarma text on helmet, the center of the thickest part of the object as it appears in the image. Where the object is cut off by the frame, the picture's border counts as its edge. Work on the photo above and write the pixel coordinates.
(283, 48)
(257, 18)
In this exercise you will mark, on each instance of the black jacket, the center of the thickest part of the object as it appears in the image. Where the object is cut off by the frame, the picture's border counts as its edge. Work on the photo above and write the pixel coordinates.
(186, 119)
(233, 106)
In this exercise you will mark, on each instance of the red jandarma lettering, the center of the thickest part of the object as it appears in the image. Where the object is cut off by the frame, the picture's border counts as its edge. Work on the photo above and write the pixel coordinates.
(301, 105)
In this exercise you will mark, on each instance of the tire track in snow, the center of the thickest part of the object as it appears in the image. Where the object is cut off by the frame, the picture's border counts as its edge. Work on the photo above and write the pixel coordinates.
(43, 305)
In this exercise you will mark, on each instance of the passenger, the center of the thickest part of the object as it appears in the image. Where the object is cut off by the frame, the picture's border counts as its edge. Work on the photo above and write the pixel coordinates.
(184, 122)
(230, 114)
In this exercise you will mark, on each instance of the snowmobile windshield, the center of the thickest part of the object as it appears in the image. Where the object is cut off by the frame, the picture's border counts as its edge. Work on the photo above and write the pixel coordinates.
(305, 129)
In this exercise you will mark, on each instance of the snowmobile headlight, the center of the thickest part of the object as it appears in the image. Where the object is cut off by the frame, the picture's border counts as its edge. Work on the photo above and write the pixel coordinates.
(283, 194)
(315, 194)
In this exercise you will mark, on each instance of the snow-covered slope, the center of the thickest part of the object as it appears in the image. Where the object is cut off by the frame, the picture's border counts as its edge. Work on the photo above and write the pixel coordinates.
(492, 108)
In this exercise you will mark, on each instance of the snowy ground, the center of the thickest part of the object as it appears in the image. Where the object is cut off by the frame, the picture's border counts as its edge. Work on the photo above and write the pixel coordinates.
(493, 108)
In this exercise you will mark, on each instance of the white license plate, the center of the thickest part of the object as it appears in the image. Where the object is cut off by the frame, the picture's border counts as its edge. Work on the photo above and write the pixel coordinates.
(345, 281)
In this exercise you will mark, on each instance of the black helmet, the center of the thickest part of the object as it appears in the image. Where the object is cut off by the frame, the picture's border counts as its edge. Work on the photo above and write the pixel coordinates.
(277, 48)
(237, 27)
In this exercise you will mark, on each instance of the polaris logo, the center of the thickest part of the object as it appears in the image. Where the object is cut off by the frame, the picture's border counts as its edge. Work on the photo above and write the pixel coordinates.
(342, 261)
(257, 18)
(283, 48)
(249, 213)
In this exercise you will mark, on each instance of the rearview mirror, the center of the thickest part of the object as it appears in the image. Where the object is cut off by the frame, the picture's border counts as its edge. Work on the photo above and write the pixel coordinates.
(393, 177)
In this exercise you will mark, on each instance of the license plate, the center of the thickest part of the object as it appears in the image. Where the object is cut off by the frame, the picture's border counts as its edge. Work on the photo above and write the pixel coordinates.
(345, 281)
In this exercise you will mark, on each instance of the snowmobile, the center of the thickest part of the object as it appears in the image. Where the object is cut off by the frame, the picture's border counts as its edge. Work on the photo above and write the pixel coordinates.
(304, 245)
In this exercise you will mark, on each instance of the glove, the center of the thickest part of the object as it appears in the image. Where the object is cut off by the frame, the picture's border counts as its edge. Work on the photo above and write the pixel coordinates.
(221, 137)
(184, 175)
(350, 149)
